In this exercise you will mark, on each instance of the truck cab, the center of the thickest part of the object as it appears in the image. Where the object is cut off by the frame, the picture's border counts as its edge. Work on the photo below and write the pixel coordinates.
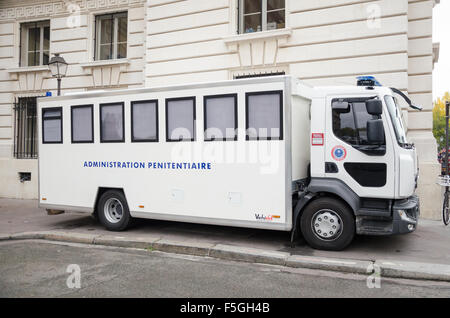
(361, 162)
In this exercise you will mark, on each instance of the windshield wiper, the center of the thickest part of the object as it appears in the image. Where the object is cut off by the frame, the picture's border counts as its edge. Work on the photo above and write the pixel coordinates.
(406, 98)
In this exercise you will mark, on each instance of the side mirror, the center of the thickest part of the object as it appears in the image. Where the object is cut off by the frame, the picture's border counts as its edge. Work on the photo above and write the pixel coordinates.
(341, 107)
(375, 131)
(374, 107)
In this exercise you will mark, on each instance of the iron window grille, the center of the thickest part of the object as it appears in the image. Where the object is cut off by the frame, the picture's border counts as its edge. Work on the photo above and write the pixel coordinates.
(25, 128)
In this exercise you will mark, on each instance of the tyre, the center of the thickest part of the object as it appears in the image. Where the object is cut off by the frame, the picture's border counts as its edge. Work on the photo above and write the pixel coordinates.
(446, 209)
(113, 212)
(328, 224)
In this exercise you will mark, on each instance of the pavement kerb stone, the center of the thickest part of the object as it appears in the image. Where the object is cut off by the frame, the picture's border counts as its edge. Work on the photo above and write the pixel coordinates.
(249, 255)
(413, 270)
(5, 237)
(329, 264)
(119, 241)
(84, 238)
(388, 269)
(189, 248)
(27, 236)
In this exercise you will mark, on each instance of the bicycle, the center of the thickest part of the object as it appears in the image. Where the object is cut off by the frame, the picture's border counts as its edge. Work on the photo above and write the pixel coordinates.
(445, 182)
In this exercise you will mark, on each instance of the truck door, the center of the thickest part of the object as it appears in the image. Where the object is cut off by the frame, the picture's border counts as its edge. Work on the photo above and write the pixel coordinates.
(366, 168)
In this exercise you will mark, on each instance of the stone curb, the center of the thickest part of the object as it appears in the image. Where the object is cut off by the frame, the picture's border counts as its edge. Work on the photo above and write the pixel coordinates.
(388, 269)
(5, 237)
(27, 236)
(118, 241)
(249, 255)
(197, 249)
(322, 263)
(412, 270)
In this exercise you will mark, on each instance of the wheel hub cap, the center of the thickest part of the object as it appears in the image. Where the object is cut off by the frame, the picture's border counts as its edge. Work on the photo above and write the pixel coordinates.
(327, 225)
(113, 210)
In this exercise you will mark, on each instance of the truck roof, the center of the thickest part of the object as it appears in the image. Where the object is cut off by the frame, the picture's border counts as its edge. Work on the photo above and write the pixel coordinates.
(323, 91)
(303, 89)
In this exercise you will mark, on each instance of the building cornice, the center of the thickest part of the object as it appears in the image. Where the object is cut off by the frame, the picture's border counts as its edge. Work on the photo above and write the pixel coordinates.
(28, 9)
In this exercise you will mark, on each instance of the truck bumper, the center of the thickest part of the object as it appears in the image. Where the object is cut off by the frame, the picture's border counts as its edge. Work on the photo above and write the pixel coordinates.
(403, 219)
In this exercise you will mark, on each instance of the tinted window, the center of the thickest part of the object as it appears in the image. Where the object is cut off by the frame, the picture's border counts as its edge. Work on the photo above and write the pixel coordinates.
(144, 116)
(220, 117)
(351, 125)
(82, 124)
(264, 116)
(52, 125)
(112, 123)
(180, 118)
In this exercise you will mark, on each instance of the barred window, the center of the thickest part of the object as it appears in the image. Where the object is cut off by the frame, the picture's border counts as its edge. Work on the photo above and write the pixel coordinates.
(25, 128)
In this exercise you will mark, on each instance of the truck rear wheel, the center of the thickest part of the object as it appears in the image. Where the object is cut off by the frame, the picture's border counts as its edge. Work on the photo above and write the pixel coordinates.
(113, 211)
(327, 224)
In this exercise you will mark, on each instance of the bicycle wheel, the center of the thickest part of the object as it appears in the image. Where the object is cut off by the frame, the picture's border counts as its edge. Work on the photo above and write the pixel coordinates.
(446, 208)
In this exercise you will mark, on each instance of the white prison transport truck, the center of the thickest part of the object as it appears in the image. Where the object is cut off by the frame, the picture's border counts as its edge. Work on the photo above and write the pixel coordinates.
(268, 153)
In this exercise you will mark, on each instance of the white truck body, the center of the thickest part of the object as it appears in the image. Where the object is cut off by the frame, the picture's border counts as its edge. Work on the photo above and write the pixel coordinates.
(263, 183)
(233, 191)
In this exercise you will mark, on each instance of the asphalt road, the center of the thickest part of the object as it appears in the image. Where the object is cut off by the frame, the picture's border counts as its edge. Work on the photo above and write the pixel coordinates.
(429, 244)
(39, 269)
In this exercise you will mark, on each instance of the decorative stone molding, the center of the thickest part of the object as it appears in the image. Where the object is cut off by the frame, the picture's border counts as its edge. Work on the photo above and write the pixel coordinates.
(259, 49)
(255, 71)
(30, 79)
(106, 73)
(10, 11)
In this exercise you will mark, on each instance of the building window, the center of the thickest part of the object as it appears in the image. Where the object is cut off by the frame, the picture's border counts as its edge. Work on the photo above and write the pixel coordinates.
(112, 122)
(25, 128)
(35, 43)
(261, 15)
(180, 119)
(82, 124)
(264, 115)
(111, 36)
(144, 121)
(220, 117)
(52, 125)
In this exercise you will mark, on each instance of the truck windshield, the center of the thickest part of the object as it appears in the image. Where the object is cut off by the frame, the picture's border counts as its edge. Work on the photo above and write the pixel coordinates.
(396, 118)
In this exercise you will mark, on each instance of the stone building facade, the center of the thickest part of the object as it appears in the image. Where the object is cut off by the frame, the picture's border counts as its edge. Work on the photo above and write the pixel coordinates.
(111, 44)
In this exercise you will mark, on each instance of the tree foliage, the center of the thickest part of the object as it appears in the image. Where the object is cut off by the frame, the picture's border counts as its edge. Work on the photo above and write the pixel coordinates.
(439, 120)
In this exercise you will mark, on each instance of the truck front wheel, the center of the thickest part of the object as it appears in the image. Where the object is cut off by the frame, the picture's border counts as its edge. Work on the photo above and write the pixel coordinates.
(113, 211)
(327, 224)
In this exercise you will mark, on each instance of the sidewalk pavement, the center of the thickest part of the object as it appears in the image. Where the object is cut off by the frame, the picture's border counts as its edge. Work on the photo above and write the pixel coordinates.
(424, 254)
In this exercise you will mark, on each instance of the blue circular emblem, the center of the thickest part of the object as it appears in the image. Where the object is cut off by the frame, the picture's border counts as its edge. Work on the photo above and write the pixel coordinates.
(339, 153)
